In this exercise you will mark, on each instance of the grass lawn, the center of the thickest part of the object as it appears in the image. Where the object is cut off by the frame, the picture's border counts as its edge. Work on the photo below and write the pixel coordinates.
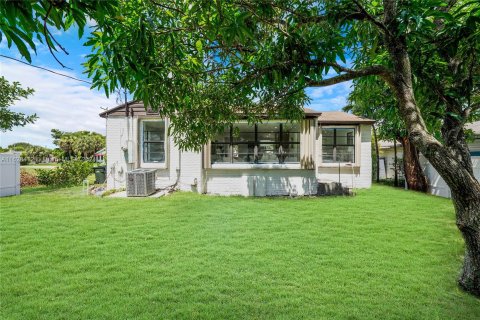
(386, 254)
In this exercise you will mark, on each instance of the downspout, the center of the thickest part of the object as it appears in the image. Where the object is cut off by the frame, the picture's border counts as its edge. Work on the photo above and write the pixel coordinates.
(106, 149)
(317, 151)
(376, 152)
(129, 120)
(179, 170)
(395, 162)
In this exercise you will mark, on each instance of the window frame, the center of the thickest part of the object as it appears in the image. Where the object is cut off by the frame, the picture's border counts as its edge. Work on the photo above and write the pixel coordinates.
(356, 145)
(257, 143)
(141, 144)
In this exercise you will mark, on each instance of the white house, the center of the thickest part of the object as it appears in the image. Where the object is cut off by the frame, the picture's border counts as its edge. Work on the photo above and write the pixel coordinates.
(99, 156)
(386, 159)
(270, 158)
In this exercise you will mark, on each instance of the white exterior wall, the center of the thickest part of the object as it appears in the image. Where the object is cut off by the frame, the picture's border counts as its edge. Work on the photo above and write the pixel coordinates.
(388, 169)
(183, 170)
(438, 186)
(186, 168)
(9, 174)
(116, 161)
(359, 176)
(260, 182)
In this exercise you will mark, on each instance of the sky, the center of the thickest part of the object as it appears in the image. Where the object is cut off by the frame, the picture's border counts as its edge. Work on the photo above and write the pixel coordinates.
(69, 105)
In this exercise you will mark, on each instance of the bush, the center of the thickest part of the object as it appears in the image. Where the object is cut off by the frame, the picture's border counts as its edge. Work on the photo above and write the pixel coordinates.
(28, 179)
(69, 173)
(24, 160)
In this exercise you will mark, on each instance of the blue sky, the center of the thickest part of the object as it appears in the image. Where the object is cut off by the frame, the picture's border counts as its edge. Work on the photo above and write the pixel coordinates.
(69, 105)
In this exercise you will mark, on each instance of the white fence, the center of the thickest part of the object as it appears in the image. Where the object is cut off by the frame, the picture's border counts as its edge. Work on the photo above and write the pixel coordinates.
(9, 174)
(438, 186)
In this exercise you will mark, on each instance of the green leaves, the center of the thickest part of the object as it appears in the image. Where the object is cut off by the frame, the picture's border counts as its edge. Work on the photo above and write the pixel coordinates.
(207, 63)
(9, 93)
(22, 21)
(22, 48)
(199, 45)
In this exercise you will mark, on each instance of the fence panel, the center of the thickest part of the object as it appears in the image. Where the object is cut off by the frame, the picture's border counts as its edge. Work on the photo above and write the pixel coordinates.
(9, 175)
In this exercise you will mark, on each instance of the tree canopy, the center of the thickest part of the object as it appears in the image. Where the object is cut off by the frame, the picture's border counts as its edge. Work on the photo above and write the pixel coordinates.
(80, 143)
(9, 93)
(23, 22)
(206, 63)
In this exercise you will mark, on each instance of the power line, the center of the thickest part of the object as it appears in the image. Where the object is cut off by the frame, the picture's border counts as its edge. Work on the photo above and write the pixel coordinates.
(42, 68)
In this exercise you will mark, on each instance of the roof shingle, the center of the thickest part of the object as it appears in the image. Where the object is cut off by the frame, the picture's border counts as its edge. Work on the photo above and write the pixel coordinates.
(339, 117)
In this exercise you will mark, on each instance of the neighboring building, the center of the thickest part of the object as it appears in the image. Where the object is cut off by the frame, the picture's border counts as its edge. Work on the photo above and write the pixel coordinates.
(437, 186)
(270, 158)
(386, 159)
(99, 156)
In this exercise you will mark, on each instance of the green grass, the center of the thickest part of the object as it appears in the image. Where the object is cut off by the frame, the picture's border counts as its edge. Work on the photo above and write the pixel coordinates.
(39, 166)
(385, 254)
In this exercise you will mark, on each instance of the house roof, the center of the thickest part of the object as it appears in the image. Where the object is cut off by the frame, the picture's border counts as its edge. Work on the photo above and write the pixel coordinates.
(339, 117)
(100, 152)
(387, 144)
(138, 108)
(325, 117)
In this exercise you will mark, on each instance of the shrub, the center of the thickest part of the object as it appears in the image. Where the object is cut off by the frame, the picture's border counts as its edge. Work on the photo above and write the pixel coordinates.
(68, 173)
(24, 160)
(28, 179)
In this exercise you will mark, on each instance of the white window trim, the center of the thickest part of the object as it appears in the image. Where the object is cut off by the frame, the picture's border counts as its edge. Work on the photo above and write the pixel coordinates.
(358, 142)
(151, 165)
(248, 166)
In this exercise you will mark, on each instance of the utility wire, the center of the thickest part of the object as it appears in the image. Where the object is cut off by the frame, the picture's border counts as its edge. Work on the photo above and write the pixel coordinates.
(42, 68)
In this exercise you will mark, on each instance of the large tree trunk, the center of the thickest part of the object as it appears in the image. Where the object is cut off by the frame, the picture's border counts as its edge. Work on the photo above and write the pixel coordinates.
(455, 171)
(414, 175)
(467, 207)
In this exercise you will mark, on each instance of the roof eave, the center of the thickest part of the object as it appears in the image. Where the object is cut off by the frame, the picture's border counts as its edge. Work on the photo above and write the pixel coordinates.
(105, 113)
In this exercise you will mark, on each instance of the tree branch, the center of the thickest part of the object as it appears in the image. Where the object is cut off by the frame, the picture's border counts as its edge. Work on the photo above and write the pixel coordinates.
(46, 33)
(369, 17)
(350, 74)
(163, 6)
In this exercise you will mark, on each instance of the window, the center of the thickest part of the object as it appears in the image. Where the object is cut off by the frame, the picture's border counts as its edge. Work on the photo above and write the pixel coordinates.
(260, 143)
(153, 141)
(338, 145)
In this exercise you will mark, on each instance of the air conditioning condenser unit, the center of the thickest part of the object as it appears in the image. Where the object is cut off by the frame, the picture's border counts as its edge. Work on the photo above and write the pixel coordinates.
(140, 182)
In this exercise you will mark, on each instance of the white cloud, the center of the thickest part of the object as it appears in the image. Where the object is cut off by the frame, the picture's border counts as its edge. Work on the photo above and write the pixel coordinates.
(330, 104)
(320, 92)
(91, 22)
(60, 103)
(329, 98)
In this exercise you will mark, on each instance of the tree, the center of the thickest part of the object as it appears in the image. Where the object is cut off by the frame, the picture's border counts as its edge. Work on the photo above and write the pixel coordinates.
(23, 21)
(206, 62)
(9, 93)
(87, 143)
(37, 154)
(372, 98)
(19, 146)
(80, 143)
